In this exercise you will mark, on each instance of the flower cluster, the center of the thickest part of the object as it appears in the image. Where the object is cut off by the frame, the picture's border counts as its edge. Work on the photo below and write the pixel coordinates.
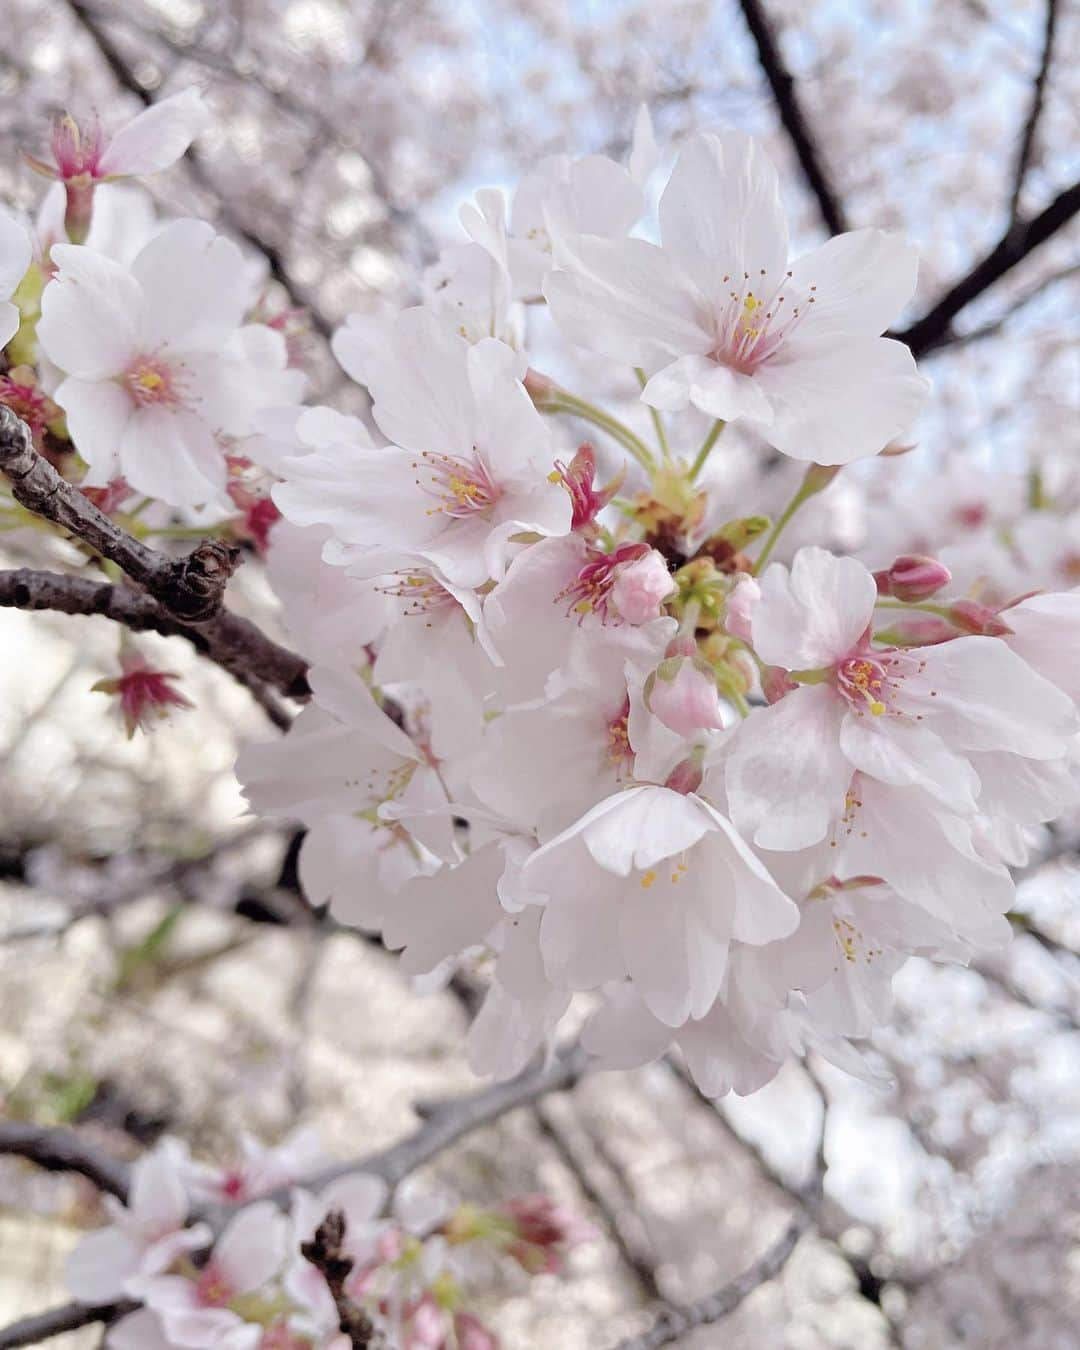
(582, 717)
(250, 1286)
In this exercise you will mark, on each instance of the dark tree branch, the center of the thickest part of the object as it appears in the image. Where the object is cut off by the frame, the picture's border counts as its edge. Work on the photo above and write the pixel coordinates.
(191, 587)
(231, 642)
(1038, 92)
(676, 1322)
(782, 84)
(934, 329)
(58, 1149)
(994, 326)
(326, 1252)
(70, 1317)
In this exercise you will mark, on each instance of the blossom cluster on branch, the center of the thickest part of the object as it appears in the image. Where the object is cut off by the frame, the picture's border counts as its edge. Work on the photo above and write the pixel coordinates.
(263, 1283)
(580, 715)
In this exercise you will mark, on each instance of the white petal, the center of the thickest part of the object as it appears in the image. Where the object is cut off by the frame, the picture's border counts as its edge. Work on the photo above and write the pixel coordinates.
(158, 1200)
(863, 279)
(1046, 634)
(841, 399)
(814, 615)
(721, 213)
(171, 454)
(787, 777)
(908, 754)
(90, 314)
(16, 254)
(636, 829)
(674, 960)
(623, 1033)
(626, 299)
(251, 1250)
(98, 1268)
(157, 137)
(195, 285)
(98, 412)
(418, 382)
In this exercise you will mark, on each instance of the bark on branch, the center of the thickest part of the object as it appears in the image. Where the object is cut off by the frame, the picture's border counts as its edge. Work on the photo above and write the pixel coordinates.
(69, 1317)
(1038, 92)
(189, 588)
(58, 1149)
(786, 97)
(934, 329)
(326, 1252)
(676, 1322)
(231, 642)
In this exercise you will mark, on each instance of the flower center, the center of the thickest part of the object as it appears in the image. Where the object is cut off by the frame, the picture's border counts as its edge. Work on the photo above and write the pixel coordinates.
(864, 682)
(212, 1289)
(590, 591)
(154, 382)
(421, 593)
(619, 752)
(753, 322)
(463, 487)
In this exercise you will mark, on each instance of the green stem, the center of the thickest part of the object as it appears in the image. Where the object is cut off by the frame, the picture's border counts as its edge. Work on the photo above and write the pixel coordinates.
(939, 610)
(563, 401)
(657, 420)
(816, 479)
(706, 448)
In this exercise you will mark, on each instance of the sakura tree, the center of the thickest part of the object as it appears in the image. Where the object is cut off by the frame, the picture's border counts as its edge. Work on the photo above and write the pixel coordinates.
(609, 627)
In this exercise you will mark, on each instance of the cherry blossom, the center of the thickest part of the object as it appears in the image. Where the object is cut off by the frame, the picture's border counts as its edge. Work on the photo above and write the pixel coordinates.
(720, 320)
(159, 362)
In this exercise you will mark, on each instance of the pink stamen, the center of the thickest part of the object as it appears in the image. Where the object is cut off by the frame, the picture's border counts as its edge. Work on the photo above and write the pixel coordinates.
(463, 487)
(750, 328)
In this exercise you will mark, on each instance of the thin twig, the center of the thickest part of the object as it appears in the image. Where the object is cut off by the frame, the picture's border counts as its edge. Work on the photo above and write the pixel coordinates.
(934, 329)
(676, 1322)
(190, 588)
(994, 326)
(69, 1317)
(784, 92)
(59, 1149)
(1038, 92)
(233, 643)
(326, 1252)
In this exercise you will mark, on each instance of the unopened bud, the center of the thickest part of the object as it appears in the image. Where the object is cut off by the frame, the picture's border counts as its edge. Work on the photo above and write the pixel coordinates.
(541, 389)
(971, 617)
(913, 577)
(684, 697)
(641, 587)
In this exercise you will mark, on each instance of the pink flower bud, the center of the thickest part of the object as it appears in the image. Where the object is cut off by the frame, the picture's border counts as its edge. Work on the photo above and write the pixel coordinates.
(739, 608)
(542, 1232)
(913, 577)
(641, 587)
(971, 617)
(686, 775)
(684, 698)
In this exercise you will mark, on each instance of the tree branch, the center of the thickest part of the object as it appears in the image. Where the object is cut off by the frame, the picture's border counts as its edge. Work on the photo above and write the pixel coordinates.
(58, 1149)
(1038, 91)
(326, 1252)
(190, 588)
(231, 642)
(69, 1317)
(782, 84)
(934, 329)
(676, 1322)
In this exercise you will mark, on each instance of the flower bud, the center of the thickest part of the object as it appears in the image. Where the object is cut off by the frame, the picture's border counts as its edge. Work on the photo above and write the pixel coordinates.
(971, 617)
(683, 696)
(739, 607)
(913, 577)
(641, 587)
(775, 683)
(687, 774)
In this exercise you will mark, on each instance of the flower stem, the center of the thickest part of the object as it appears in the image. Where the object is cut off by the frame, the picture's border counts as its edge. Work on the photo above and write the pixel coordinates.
(939, 610)
(561, 400)
(706, 448)
(816, 478)
(657, 420)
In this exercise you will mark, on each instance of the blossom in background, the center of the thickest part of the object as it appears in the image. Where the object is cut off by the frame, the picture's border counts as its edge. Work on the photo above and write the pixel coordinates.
(159, 363)
(721, 321)
(145, 1237)
(145, 694)
(16, 252)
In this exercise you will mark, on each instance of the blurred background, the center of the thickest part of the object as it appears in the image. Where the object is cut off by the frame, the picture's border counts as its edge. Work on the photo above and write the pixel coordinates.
(157, 971)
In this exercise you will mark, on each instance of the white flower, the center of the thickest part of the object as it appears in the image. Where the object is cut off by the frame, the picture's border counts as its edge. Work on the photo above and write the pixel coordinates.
(16, 254)
(144, 1238)
(195, 1312)
(654, 885)
(160, 365)
(721, 320)
(908, 718)
(468, 471)
(152, 141)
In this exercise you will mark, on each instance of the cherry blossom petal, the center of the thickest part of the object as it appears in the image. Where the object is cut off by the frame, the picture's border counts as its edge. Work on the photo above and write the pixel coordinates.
(863, 279)
(156, 138)
(813, 615)
(195, 286)
(98, 412)
(90, 313)
(98, 1268)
